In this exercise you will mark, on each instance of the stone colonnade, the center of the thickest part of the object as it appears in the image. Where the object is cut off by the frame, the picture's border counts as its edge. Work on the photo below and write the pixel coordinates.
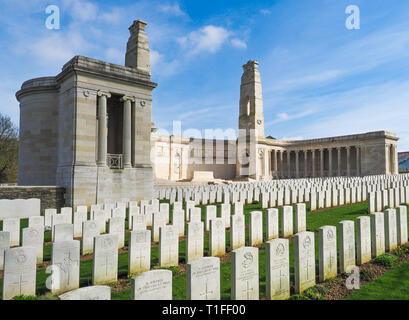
(128, 122)
(319, 162)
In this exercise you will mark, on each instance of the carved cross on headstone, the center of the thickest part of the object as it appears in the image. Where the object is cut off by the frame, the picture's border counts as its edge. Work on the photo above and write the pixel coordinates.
(248, 290)
(206, 292)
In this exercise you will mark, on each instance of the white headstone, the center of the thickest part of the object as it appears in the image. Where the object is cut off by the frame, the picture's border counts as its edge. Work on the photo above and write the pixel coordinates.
(4, 244)
(203, 278)
(12, 225)
(391, 236)
(217, 237)
(194, 241)
(88, 293)
(152, 285)
(300, 218)
(304, 266)
(346, 245)
(377, 234)
(65, 259)
(272, 224)
(286, 221)
(277, 269)
(89, 232)
(105, 262)
(402, 225)
(327, 239)
(363, 240)
(117, 226)
(63, 232)
(256, 228)
(237, 231)
(34, 237)
(245, 274)
(168, 246)
(19, 276)
(139, 252)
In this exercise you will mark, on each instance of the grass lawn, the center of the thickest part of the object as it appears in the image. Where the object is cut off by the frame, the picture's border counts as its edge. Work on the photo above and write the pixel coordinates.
(393, 285)
(314, 221)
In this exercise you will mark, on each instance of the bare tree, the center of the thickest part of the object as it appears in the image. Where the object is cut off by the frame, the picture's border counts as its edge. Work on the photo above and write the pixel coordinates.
(8, 150)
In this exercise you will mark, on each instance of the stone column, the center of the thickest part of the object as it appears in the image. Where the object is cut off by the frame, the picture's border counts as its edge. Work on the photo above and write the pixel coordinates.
(127, 131)
(288, 164)
(358, 161)
(281, 163)
(321, 162)
(348, 161)
(313, 162)
(297, 164)
(329, 162)
(339, 161)
(393, 157)
(305, 163)
(275, 173)
(102, 128)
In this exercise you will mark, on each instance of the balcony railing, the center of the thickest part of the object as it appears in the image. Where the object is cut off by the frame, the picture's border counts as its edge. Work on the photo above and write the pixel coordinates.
(114, 161)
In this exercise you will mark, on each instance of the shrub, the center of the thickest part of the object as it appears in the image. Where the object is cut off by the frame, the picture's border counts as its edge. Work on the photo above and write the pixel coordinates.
(400, 251)
(386, 260)
(366, 275)
(316, 292)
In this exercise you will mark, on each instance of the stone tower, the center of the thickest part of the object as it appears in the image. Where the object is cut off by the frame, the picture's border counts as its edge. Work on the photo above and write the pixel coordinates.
(137, 48)
(251, 116)
(251, 121)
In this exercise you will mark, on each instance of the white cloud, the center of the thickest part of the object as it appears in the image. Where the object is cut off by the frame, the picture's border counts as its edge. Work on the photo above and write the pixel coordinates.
(237, 43)
(113, 55)
(173, 9)
(57, 48)
(265, 12)
(156, 58)
(207, 39)
(82, 10)
(114, 16)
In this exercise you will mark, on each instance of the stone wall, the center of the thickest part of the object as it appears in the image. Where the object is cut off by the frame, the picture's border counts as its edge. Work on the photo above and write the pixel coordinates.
(51, 197)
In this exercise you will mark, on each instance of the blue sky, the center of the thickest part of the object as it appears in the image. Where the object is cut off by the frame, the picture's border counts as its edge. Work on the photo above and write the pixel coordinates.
(319, 78)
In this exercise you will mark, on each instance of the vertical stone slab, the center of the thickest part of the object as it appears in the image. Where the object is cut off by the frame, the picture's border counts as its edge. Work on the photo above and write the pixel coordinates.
(139, 252)
(178, 220)
(226, 213)
(195, 215)
(89, 232)
(88, 293)
(203, 278)
(211, 213)
(277, 269)
(36, 221)
(313, 201)
(363, 240)
(168, 246)
(217, 239)
(327, 239)
(19, 276)
(304, 266)
(149, 212)
(139, 222)
(256, 228)
(238, 208)
(245, 274)
(371, 202)
(152, 285)
(4, 245)
(65, 259)
(34, 237)
(286, 221)
(12, 226)
(237, 231)
(300, 217)
(164, 209)
(117, 226)
(63, 232)
(194, 240)
(272, 224)
(105, 262)
(158, 221)
(402, 225)
(391, 234)
(79, 218)
(48, 213)
(346, 245)
(378, 234)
